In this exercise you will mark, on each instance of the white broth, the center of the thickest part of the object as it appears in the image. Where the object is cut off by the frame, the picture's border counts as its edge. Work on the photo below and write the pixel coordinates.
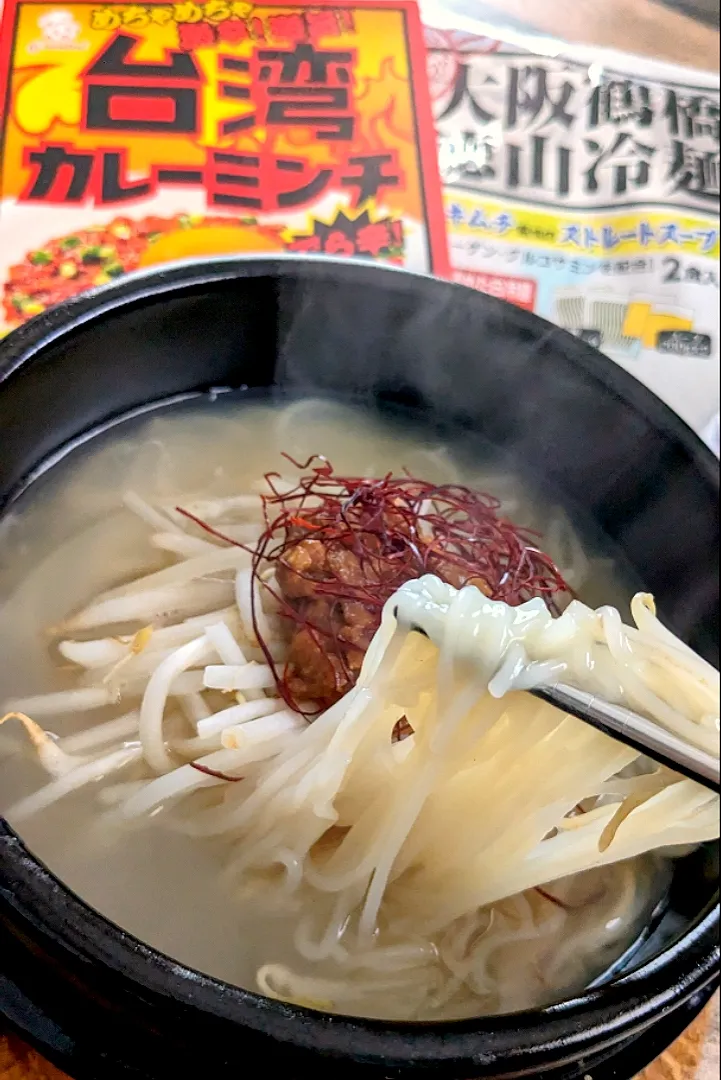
(71, 538)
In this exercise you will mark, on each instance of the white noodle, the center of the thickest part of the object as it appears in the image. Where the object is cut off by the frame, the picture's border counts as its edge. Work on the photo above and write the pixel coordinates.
(63, 701)
(170, 637)
(192, 747)
(245, 588)
(115, 794)
(171, 603)
(156, 695)
(410, 868)
(189, 682)
(66, 785)
(104, 653)
(210, 510)
(123, 727)
(147, 513)
(180, 781)
(228, 615)
(101, 653)
(230, 653)
(194, 707)
(277, 650)
(198, 566)
(181, 544)
(257, 731)
(225, 644)
(238, 714)
(240, 534)
(246, 677)
(54, 758)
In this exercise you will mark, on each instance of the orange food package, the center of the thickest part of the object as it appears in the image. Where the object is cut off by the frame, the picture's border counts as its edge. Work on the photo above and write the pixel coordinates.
(139, 134)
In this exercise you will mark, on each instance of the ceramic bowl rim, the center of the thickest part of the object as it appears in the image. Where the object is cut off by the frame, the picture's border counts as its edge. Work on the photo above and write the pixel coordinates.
(627, 1004)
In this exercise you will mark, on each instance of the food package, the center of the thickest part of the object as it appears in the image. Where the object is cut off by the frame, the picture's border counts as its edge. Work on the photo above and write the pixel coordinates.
(583, 184)
(136, 133)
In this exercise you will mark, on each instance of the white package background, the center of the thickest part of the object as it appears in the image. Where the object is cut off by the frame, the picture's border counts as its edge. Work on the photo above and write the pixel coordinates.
(583, 184)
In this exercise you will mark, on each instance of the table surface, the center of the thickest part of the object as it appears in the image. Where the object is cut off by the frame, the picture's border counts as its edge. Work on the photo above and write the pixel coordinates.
(643, 27)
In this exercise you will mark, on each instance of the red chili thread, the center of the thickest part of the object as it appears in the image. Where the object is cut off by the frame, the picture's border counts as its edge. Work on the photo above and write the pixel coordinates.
(214, 773)
(553, 899)
(302, 523)
(398, 528)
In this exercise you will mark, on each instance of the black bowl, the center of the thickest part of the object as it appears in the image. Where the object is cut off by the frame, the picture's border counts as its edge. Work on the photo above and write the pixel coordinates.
(104, 1005)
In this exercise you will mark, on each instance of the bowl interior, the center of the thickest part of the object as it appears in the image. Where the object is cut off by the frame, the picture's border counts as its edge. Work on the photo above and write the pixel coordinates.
(460, 360)
(566, 417)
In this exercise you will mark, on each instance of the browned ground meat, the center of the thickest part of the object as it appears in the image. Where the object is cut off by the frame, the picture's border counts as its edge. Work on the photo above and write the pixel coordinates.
(326, 654)
(326, 651)
(315, 673)
(457, 577)
(342, 546)
(360, 624)
(307, 558)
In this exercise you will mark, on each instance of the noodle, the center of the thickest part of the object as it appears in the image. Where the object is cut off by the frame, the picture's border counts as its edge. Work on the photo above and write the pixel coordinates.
(389, 878)
(436, 842)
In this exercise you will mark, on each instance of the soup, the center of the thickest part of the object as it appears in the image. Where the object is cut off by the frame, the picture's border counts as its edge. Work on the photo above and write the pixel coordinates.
(171, 614)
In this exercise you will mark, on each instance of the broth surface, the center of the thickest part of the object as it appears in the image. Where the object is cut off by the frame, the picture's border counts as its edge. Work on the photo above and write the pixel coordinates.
(69, 538)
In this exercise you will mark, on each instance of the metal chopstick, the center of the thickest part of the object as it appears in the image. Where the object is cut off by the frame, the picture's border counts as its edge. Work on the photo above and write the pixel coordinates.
(635, 731)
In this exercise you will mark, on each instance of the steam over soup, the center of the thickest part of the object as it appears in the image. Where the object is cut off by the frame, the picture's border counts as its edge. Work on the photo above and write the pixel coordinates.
(224, 731)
